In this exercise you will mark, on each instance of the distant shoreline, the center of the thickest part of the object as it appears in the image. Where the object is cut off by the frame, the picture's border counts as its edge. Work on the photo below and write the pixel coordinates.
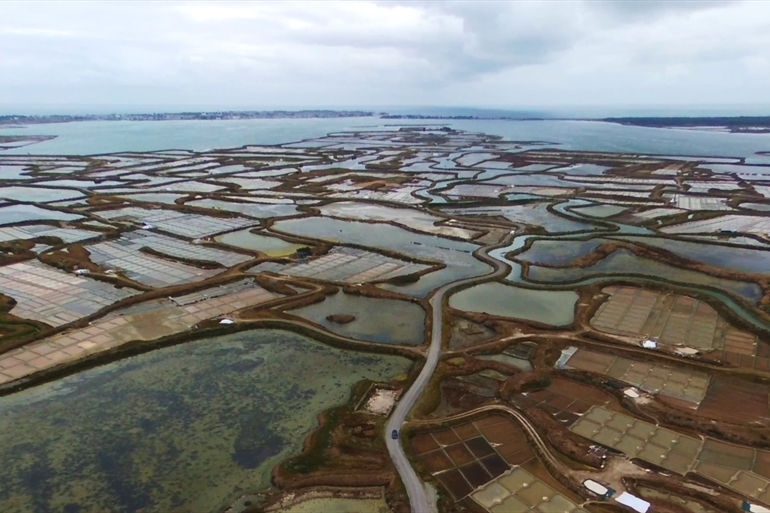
(17, 120)
(732, 124)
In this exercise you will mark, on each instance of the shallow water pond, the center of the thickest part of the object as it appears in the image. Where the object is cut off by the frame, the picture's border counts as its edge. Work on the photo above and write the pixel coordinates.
(14, 173)
(601, 210)
(533, 168)
(540, 180)
(556, 308)
(261, 210)
(375, 235)
(582, 169)
(386, 321)
(408, 217)
(271, 246)
(17, 213)
(731, 258)
(38, 194)
(186, 428)
(154, 197)
(456, 254)
(762, 207)
(83, 184)
(625, 263)
(535, 214)
(559, 252)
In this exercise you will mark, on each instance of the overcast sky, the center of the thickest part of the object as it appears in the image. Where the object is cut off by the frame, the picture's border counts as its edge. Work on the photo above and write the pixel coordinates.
(500, 54)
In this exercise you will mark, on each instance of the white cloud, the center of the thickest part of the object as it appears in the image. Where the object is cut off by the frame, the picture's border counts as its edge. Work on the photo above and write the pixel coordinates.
(265, 54)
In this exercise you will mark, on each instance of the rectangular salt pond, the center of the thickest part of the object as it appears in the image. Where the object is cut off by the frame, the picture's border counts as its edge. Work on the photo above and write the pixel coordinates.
(14, 173)
(83, 184)
(17, 213)
(259, 210)
(600, 210)
(762, 207)
(556, 308)
(582, 169)
(169, 199)
(38, 194)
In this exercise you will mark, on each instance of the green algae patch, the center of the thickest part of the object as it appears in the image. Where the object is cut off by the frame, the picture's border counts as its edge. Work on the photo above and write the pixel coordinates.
(185, 428)
(338, 505)
(270, 246)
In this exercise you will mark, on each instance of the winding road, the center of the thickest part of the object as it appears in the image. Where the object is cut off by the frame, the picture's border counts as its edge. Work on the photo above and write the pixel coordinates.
(418, 498)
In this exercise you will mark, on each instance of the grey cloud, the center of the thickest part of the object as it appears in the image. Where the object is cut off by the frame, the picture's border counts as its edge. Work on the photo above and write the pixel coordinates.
(326, 53)
(500, 35)
(634, 11)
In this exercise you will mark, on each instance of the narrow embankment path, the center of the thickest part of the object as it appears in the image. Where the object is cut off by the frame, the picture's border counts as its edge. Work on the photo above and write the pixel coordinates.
(418, 498)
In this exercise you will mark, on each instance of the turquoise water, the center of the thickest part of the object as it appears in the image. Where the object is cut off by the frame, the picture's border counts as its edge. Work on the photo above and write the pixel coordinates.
(559, 252)
(702, 284)
(385, 321)
(625, 263)
(95, 137)
(14, 173)
(726, 257)
(116, 136)
(601, 210)
(261, 210)
(83, 184)
(38, 194)
(556, 308)
(18, 213)
(456, 254)
(597, 136)
(534, 214)
(271, 246)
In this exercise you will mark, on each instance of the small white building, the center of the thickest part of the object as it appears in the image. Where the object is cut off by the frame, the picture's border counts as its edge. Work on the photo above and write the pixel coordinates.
(597, 488)
(632, 392)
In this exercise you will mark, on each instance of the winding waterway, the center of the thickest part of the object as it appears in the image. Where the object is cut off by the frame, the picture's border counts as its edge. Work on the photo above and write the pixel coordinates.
(519, 242)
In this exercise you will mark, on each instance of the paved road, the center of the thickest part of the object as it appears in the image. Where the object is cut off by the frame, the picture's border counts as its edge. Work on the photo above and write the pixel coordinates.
(418, 499)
